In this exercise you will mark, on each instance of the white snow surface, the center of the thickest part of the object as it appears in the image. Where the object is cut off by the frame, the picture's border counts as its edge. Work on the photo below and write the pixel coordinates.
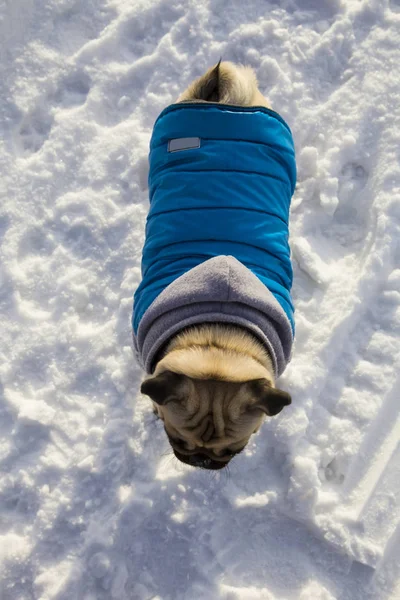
(93, 506)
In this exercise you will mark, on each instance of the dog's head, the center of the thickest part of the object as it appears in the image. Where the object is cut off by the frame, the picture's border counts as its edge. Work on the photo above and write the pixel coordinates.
(209, 421)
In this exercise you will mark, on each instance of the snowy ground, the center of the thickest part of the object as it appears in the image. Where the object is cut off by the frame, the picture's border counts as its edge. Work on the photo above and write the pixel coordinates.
(92, 504)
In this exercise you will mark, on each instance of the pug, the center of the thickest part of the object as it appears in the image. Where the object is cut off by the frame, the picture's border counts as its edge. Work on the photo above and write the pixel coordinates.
(213, 318)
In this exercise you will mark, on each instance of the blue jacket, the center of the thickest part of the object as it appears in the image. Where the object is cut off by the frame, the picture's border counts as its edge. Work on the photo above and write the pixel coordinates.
(224, 192)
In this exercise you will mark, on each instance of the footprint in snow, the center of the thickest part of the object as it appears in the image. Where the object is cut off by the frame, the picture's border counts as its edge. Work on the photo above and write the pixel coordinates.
(353, 179)
(73, 90)
(100, 565)
(34, 130)
(352, 216)
(18, 499)
(140, 37)
(35, 127)
(332, 472)
(34, 242)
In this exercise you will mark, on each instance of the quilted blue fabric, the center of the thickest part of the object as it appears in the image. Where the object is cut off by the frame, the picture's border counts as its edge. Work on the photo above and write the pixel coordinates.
(229, 196)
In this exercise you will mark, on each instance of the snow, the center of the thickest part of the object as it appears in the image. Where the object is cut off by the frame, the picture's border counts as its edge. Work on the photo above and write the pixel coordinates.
(93, 505)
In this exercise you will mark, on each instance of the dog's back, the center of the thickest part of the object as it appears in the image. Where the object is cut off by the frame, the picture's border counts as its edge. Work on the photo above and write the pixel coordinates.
(226, 83)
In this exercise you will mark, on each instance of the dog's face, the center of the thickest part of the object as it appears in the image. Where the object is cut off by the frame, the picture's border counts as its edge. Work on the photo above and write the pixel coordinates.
(209, 421)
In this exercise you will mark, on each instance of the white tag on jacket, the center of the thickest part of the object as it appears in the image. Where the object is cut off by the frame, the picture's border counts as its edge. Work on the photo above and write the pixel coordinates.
(188, 143)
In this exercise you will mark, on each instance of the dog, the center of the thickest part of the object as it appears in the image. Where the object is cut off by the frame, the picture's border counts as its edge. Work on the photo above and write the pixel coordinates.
(212, 382)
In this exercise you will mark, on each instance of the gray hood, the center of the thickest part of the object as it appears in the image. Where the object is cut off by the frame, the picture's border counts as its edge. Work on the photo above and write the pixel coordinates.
(219, 290)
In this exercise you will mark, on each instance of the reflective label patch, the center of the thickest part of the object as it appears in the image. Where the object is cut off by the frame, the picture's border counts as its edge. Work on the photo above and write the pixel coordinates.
(188, 143)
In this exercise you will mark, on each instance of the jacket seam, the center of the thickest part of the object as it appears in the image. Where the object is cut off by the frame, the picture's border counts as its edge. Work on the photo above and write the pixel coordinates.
(158, 170)
(224, 208)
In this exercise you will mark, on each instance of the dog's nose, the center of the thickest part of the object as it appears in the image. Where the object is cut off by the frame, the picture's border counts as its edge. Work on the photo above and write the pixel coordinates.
(200, 460)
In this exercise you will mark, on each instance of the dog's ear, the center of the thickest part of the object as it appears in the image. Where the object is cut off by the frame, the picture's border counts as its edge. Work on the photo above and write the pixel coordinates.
(162, 388)
(268, 399)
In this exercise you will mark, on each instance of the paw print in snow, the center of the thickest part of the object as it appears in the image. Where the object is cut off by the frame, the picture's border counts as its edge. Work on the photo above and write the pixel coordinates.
(73, 90)
(332, 472)
(34, 130)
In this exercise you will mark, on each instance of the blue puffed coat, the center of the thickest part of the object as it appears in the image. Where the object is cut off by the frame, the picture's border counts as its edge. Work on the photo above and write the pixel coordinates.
(217, 240)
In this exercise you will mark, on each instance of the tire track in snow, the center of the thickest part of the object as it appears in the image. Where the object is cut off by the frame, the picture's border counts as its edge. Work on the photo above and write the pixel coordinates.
(378, 452)
(364, 476)
(372, 485)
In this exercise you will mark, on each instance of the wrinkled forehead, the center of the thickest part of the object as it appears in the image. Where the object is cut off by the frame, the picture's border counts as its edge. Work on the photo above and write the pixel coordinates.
(214, 387)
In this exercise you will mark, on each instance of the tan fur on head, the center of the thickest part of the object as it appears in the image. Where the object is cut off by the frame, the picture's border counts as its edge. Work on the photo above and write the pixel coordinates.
(224, 352)
(227, 84)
